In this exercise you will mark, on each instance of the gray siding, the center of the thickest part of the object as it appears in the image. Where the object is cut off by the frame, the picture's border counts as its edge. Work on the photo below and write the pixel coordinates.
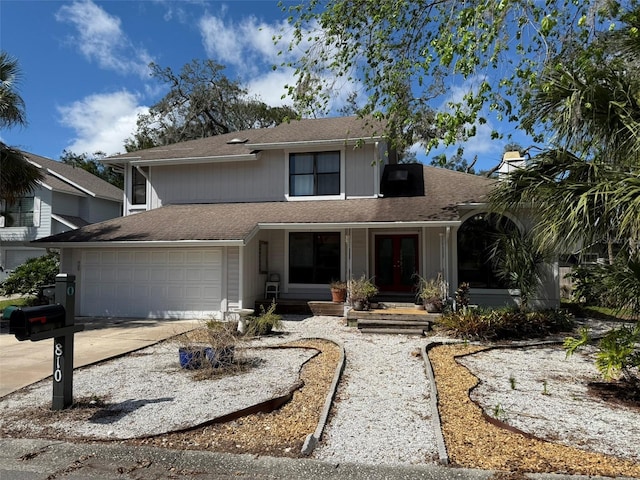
(261, 180)
(361, 171)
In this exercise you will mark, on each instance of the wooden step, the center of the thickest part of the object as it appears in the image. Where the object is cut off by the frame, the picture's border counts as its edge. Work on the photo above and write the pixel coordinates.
(402, 323)
(396, 331)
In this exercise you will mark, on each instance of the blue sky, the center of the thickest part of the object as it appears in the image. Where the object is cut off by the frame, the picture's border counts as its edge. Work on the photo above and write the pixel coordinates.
(85, 74)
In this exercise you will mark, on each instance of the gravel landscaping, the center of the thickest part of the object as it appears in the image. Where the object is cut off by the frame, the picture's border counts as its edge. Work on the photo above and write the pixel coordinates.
(381, 414)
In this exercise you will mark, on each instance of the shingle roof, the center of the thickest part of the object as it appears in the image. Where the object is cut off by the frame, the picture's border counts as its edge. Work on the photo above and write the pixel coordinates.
(78, 176)
(444, 191)
(296, 131)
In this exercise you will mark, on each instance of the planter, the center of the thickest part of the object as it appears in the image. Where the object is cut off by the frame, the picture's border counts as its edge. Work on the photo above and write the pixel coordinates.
(191, 358)
(220, 357)
(338, 295)
(360, 305)
(433, 306)
(419, 306)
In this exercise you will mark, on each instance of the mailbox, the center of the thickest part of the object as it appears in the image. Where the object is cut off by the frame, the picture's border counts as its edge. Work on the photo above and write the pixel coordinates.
(26, 322)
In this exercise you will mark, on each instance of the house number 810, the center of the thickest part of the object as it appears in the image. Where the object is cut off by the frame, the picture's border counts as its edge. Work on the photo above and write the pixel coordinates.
(57, 352)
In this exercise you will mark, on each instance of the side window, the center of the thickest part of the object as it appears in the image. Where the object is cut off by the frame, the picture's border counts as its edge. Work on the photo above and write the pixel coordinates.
(20, 213)
(312, 174)
(476, 236)
(138, 187)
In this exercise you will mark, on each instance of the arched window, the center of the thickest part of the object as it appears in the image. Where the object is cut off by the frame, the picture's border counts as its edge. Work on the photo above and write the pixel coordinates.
(476, 236)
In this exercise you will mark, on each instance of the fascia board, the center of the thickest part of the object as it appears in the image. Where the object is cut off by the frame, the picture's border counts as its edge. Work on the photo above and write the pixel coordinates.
(73, 184)
(144, 244)
(250, 157)
(311, 143)
(307, 226)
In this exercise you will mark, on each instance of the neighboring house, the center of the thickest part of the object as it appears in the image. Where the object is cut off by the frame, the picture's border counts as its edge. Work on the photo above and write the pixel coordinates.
(208, 222)
(67, 198)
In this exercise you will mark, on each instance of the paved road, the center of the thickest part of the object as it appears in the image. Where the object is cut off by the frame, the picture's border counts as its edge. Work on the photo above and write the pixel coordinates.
(41, 459)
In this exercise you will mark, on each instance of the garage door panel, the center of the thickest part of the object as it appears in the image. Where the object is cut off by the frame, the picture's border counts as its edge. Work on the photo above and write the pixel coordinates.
(152, 282)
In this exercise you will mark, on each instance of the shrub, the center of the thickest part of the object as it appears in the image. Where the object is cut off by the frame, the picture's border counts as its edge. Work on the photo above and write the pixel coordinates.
(504, 324)
(265, 322)
(32, 274)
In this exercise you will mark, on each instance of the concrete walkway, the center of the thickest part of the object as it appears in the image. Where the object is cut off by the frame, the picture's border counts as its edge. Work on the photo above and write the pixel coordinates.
(23, 363)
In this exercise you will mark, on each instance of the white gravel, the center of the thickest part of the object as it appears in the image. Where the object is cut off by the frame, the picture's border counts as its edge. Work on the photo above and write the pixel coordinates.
(382, 414)
(539, 391)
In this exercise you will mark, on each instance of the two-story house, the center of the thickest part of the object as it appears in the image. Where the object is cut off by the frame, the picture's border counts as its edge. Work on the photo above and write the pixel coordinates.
(207, 223)
(67, 198)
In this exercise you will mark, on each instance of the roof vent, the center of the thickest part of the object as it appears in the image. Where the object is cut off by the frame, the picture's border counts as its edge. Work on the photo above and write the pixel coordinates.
(236, 141)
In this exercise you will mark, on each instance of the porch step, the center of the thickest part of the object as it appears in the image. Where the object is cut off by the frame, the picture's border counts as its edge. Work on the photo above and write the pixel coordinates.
(396, 331)
(404, 320)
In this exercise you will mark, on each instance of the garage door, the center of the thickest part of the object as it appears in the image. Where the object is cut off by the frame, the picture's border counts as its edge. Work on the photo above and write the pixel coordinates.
(151, 283)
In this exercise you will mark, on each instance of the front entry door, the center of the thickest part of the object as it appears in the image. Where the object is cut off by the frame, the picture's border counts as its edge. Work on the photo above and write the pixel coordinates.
(396, 262)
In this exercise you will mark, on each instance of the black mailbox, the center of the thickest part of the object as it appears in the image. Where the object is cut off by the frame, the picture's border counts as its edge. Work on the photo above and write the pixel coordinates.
(29, 321)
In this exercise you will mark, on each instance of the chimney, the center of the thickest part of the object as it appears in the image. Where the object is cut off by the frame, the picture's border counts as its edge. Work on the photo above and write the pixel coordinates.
(510, 161)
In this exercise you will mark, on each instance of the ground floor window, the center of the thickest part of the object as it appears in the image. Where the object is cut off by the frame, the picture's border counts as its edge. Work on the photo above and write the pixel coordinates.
(476, 236)
(314, 257)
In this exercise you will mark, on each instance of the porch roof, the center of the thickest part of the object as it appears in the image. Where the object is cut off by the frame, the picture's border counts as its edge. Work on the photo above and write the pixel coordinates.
(445, 192)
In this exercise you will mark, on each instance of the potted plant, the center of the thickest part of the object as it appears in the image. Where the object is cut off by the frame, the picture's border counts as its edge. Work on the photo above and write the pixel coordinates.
(338, 291)
(264, 323)
(361, 291)
(210, 346)
(429, 292)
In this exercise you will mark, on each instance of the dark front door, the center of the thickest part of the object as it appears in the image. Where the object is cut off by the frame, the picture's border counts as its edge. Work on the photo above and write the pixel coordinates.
(396, 262)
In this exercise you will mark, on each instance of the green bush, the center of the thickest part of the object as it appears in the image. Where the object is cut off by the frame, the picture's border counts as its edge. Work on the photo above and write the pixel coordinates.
(504, 323)
(32, 274)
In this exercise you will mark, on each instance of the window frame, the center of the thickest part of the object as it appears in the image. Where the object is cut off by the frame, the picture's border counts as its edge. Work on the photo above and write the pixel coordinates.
(18, 214)
(136, 174)
(315, 279)
(340, 195)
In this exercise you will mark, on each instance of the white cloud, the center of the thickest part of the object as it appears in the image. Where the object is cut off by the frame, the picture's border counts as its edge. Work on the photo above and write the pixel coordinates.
(99, 38)
(102, 121)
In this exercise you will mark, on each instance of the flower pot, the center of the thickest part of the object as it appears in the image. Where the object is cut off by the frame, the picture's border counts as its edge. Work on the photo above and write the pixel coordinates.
(359, 305)
(191, 358)
(338, 295)
(220, 357)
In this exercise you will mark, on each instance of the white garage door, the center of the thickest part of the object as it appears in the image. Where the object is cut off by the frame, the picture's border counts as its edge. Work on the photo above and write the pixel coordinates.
(151, 283)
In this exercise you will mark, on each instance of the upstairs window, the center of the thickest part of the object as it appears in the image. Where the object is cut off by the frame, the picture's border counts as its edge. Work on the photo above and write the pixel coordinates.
(20, 213)
(138, 187)
(313, 174)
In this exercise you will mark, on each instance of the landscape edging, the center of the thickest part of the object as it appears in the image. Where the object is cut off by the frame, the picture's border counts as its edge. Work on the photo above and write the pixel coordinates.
(313, 439)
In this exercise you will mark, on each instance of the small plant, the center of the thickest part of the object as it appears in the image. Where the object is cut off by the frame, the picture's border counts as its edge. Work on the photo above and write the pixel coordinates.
(512, 382)
(544, 388)
(430, 292)
(498, 412)
(264, 323)
(362, 290)
(463, 295)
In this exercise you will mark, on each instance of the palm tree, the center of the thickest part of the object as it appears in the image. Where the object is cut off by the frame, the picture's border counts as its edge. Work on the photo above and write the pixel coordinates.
(18, 177)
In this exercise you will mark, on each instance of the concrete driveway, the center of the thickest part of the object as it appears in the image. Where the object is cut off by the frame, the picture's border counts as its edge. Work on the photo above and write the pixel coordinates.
(23, 363)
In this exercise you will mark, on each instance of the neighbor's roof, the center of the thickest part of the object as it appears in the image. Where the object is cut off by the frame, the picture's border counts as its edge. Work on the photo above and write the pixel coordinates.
(248, 142)
(445, 191)
(61, 177)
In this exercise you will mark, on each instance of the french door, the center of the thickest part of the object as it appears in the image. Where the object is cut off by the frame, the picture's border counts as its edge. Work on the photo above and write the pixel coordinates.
(396, 261)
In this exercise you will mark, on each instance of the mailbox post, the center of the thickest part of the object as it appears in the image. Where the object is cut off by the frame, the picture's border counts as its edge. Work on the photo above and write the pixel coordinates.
(57, 322)
(63, 344)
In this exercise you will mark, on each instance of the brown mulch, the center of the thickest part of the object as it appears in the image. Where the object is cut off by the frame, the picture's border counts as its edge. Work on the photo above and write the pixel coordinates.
(472, 441)
(279, 433)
